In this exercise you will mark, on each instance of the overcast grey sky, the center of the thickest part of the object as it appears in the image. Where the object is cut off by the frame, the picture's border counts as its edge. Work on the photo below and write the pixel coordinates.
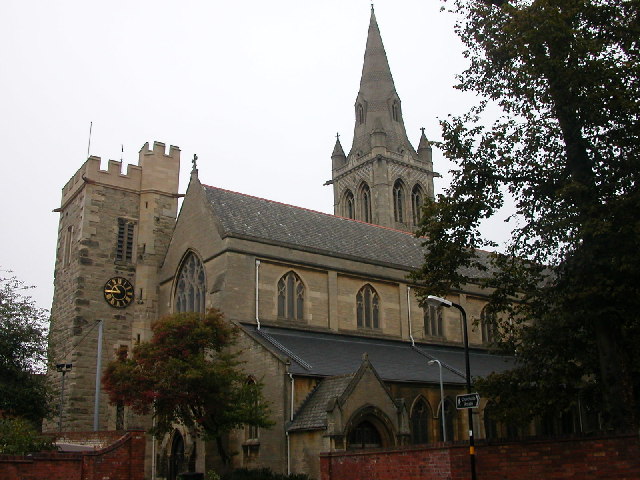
(257, 89)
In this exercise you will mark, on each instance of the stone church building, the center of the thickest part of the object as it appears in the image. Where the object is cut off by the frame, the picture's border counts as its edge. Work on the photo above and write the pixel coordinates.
(329, 320)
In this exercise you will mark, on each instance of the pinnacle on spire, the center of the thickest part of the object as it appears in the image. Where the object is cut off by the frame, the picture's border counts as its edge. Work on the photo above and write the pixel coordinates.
(337, 156)
(424, 142)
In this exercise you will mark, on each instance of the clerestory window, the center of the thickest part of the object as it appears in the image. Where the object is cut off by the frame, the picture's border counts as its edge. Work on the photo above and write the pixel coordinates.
(488, 326)
(433, 321)
(191, 285)
(290, 297)
(368, 308)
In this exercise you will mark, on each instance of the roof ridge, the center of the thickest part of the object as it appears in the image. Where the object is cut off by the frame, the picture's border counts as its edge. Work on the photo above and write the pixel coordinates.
(307, 209)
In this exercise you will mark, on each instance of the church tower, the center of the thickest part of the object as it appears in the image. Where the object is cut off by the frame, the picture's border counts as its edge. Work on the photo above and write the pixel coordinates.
(383, 180)
(113, 234)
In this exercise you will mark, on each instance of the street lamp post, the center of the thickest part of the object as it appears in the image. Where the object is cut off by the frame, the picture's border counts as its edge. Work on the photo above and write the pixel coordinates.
(62, 368)
(444, 423)
(439, 301)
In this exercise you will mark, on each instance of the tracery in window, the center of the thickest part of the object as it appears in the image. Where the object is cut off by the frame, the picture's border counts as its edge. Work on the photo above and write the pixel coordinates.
(191, 285)
(450, 413)
(290, 297)
(488, 326)
(417, 199)
(420, 416)
(349, 205)
(365, 194)
(433, 321)
(368, 307)
(124, 243)
(398, 201)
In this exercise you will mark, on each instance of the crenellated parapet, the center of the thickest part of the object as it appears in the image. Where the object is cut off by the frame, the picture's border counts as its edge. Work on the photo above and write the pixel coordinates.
(156, 171)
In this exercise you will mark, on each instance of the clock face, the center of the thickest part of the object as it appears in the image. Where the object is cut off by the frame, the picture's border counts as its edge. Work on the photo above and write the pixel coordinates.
(118, 292)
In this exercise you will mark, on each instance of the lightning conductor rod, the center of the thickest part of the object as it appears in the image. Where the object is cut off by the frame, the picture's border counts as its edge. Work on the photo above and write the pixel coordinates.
(89, 146)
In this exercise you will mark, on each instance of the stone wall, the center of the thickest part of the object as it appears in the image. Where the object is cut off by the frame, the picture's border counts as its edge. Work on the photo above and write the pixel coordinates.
(578, 458)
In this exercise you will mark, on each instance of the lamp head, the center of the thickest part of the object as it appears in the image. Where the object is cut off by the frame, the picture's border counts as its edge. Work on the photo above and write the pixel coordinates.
(438, 301)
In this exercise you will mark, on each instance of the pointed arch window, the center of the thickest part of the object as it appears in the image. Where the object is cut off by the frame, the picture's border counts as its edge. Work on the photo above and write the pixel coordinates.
(433, 321)
(360, 114)
(366, 203)
(398, 201)
(290, 297)
(417, 199)
(191, 285)
(420, 416)
(488, 326)
(449, 419)
(395, 111)
(364, 435)
(349, 205)
(368, 308)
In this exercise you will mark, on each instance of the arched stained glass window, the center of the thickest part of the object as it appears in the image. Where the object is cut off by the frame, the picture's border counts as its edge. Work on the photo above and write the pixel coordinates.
(417, 199)
(368, 308)
(290, 297)
(191, 286)
(398, 201)
(349, 205)
(366, 203)
(420, 416)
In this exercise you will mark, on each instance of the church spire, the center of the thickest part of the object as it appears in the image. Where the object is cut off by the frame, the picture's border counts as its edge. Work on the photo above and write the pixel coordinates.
(377, 104)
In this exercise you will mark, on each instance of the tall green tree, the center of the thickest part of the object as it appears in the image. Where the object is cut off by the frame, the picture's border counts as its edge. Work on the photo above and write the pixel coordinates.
(565, 76)
(188, 374)
(23, 353)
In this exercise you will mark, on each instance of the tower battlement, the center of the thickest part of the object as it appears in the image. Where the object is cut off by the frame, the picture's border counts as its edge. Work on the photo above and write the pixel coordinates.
(156, 170)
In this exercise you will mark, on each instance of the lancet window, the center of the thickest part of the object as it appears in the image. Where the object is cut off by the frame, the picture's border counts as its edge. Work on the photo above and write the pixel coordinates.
(290, 297)
(417, 199)
(398, 201)
(368, 308)
(349, 205)
(366, 203)
(433, 321)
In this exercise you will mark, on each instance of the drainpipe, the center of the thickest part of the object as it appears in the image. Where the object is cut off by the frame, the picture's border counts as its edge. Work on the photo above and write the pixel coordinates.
(257, 287)
(153, 449)
(413, 343)
(293, 384)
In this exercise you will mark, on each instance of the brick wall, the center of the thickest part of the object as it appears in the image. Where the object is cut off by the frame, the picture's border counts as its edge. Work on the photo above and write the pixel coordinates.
(584, 459)
(122, 460)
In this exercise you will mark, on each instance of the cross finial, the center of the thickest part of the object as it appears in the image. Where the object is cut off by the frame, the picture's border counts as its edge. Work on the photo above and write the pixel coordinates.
(194, 162)
(338, 137)
(372, 6)
(422, 130)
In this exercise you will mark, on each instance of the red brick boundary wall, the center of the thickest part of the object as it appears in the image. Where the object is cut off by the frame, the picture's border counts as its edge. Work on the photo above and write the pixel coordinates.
(122, 459)
(596, 458)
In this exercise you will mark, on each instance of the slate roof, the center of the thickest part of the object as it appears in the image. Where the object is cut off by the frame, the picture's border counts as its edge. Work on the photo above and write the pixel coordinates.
(267, 221)
(329, 354)
(312, 414)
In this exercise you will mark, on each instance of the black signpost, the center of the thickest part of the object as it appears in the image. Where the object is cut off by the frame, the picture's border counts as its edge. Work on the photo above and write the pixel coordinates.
(469, 400)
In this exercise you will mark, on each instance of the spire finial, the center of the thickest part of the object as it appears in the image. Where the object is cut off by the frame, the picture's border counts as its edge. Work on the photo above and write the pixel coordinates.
(338, 136)
(371, 7)
(194, 162)
(422, 130)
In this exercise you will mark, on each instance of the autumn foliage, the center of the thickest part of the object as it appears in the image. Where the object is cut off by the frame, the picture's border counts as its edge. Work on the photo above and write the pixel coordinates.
(188, 373)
